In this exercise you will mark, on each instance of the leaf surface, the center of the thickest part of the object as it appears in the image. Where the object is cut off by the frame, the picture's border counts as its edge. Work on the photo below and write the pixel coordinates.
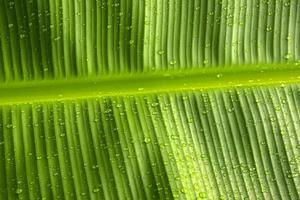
(187, 99)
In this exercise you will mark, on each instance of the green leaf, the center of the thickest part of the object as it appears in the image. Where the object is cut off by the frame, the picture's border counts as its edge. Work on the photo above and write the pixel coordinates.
(149, 99)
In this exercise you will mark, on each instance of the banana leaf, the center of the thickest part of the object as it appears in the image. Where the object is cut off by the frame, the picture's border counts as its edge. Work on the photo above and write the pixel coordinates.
(149, 99)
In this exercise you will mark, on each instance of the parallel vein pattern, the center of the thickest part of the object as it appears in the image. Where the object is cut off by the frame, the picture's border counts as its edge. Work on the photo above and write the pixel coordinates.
(239, 143)
(206, 33)
(220, 144)
(42, 39)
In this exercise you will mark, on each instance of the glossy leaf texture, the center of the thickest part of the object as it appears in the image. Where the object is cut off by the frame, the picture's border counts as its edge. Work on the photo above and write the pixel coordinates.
(149, 99)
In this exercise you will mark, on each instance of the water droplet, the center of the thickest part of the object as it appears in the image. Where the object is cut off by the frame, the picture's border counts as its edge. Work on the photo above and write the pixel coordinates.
(173, 62)
(95, 190)
(19, 191)
(183, 190)
(174, 137)
(288, 56)
(9, 126)
(131, 42)
(119, 105)
(202, 195)
(161, 52)
(219, 75)
(22, 36)
(147, 140)
(269, 29)
(57, 38)
(190, 120)
(95, 167)
(154, 104)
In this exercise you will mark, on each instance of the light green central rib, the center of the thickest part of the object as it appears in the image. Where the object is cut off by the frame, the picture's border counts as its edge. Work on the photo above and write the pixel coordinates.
(202, 79)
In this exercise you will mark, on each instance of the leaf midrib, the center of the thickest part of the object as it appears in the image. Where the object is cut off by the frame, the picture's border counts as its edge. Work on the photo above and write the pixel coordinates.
(144, 83)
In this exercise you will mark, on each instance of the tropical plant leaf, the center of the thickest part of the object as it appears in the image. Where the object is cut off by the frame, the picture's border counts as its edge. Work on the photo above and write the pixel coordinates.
(149, 99)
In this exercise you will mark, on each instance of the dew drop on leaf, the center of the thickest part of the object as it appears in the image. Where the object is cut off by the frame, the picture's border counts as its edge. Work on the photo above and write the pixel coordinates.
(19, 191)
